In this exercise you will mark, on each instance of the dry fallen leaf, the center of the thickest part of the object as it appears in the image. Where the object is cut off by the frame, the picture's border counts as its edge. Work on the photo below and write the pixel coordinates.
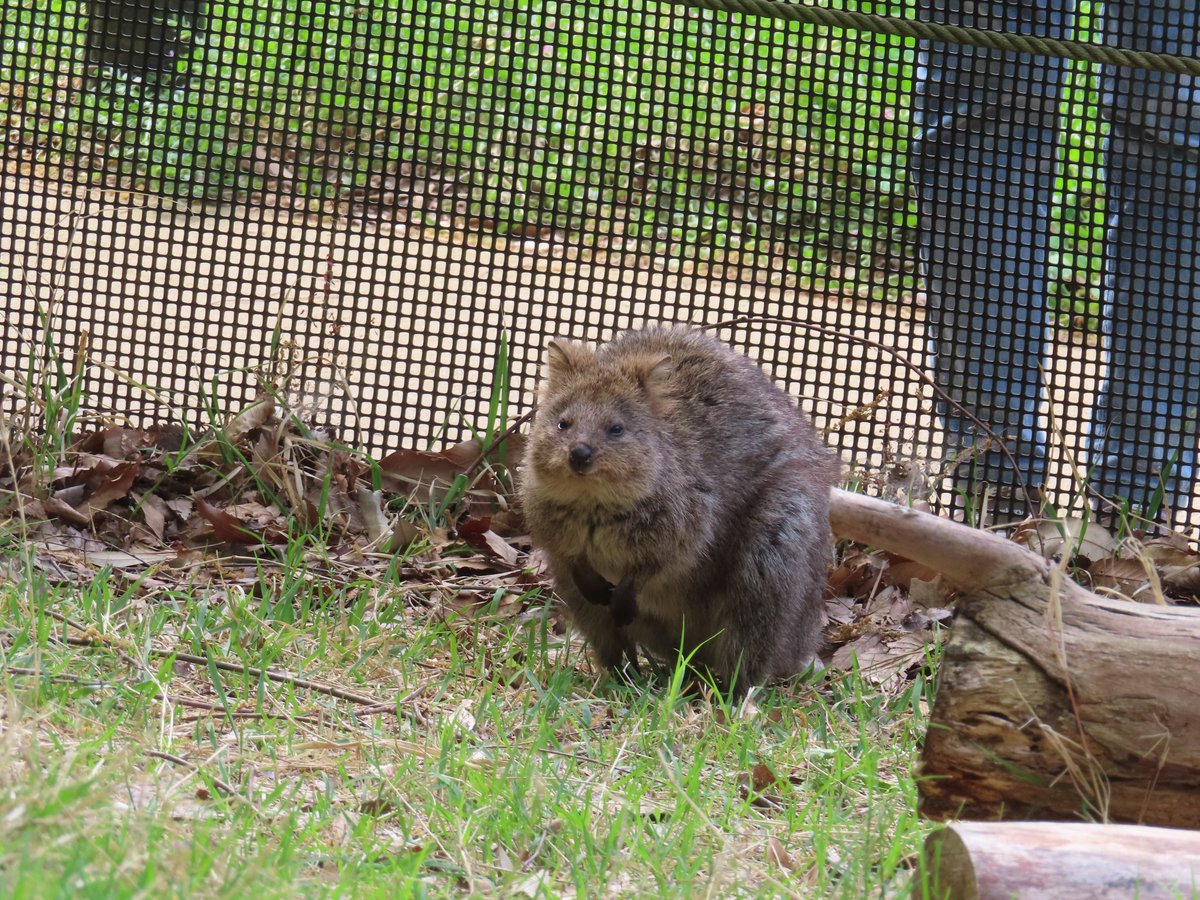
(902, 572)
(1124, 576)
(252, 417)
(404, 533)
(370, 508)
(154, 513)
(1050, 537)
(759, 787)
(108, 487)
(117, 442)
(503, 550)
(1178, 562)
(56, 506)
(1182, 581)
(133, 558)
(881, 659)
(463, 717)
(761, 777)
(229, 529)
(933, 594)
(537, 884)
(427, 467)
(777, 854)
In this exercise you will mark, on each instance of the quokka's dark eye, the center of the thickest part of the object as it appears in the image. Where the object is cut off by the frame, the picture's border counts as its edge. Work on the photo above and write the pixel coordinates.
(616, 430)
(564, 424)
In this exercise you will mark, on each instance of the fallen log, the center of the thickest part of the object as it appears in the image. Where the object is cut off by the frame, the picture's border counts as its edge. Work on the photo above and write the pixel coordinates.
(1052, 702)
(1051, 860)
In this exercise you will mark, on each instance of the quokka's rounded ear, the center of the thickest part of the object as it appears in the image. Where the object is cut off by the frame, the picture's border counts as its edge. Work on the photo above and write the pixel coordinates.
(564, 358)
(653, 371)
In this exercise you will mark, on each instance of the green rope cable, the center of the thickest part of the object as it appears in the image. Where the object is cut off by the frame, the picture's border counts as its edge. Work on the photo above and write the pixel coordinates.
(955, 34)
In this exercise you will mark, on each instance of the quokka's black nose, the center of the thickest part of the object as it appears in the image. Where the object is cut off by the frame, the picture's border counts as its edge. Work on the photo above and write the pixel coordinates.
(581, 457)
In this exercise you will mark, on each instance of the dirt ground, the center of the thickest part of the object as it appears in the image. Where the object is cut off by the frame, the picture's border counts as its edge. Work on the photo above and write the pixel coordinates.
(394, 337)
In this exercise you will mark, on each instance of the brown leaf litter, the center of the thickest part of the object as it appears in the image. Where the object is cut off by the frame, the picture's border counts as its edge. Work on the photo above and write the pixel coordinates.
(170, 506)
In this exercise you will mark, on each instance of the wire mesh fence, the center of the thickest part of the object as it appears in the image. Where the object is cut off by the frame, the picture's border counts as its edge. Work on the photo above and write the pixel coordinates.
(384, 208)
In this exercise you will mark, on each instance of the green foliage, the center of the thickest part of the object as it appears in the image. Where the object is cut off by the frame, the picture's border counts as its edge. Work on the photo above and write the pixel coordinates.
(691, 127)
(1075, 271)
(661, 128)
(796, 151)
(120, 131)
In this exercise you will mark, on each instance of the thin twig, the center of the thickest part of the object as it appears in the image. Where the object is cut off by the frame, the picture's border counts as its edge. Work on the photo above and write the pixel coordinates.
(270, 674)
(251, 715)
(66, 620)
(500, 438)
(398, 706)
(57, 679)
(196, 704)
(217, 782)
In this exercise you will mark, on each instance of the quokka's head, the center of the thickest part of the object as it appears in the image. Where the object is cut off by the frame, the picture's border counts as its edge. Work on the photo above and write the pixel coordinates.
(599, 434)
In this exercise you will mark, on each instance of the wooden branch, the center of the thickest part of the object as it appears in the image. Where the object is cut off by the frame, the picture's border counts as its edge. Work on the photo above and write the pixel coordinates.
(1051, 860)
(226, 788)
(271, 675)
(1052, 702)
(252, 671)
(968, 558)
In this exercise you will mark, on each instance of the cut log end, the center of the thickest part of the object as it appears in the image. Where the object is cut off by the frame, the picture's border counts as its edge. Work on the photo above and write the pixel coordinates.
(1043, 860)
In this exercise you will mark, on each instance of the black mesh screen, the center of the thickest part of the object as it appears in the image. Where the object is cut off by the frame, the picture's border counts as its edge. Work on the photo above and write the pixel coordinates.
(381, 206)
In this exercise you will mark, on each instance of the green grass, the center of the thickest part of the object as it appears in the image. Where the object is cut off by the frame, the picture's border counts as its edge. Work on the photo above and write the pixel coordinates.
(322, 718)
(511, 768)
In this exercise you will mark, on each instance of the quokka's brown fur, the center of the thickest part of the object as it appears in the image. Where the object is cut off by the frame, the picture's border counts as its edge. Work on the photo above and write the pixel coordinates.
(682, 501)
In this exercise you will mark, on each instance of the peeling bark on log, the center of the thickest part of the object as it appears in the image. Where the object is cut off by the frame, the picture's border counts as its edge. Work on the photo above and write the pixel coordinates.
(1052, 702)
(1052, 860)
